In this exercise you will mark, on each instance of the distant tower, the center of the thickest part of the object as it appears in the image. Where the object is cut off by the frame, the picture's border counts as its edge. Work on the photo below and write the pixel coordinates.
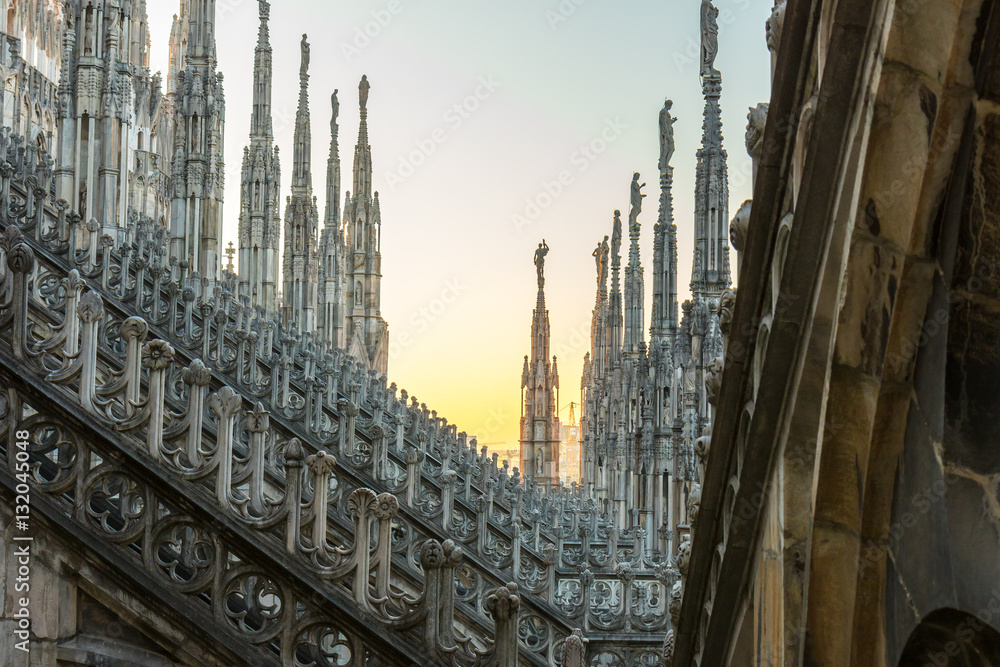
(367, 334)
(198, 168)
(540, 428)
(332, 253)
(301, 261)
(260, 218)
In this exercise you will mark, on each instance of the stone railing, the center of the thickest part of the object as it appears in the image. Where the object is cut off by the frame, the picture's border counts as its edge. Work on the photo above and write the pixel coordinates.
(571, 565)
(166, 478)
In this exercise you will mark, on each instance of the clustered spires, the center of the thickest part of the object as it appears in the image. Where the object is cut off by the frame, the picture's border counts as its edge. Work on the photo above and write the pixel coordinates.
(540, 427)
(260, 215)
(331, 274)
(646, 409)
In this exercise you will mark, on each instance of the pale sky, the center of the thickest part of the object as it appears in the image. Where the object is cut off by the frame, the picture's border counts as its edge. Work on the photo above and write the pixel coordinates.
(475, 109)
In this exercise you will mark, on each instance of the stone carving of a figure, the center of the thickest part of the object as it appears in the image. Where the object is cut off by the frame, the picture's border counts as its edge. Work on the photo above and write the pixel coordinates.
(305, 55)
(616, 234)
(540, 253)
(335, 103)
(636, 198)
(666, 135)
(88, 34)
(709, 36)
(363, 91)
(601, 259)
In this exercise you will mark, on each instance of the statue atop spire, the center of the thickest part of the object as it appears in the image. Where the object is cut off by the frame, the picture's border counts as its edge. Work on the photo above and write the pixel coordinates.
(540, 253)
(636, 201)
(265, 9)
(709, 37)
(363, 91)
(666, 135)
(616, 236)
(304, 68)
(601, 257)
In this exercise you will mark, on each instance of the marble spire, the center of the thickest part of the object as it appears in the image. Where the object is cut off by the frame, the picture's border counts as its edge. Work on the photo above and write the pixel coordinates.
(198, 166)
(539, 393)
(663, 326)
(332, 276)
(366, 334)
(634, 294)
(260, 217)
(711, 274)
(301, 270)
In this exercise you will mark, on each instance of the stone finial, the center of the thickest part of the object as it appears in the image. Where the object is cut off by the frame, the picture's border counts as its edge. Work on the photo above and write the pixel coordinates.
(196, 374)
(294, 453)
(320, 463)
(91, 307)
(574, 649)
(504, 602)
(360, 501)
(225, 402)
(20, 257)
(157, 354)
(387, 506)
(258, 419)
(134, 328)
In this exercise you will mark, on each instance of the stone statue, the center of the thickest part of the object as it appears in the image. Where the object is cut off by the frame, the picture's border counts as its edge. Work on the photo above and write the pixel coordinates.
(540, 253)
(88, 35)
(304, 69)
(666, 135)
(635, 200)
(601, 259)
(616, 234)
(335, 103)
(363, 91)
(709, 37)
(265, 9)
